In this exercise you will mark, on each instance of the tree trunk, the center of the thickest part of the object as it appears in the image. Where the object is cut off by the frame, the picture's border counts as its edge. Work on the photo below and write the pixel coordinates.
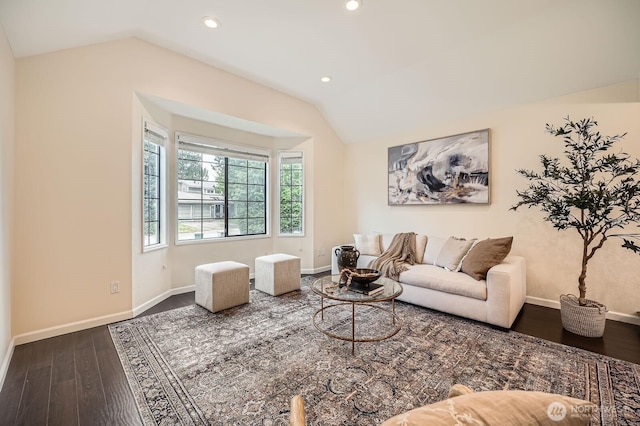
(582, 285)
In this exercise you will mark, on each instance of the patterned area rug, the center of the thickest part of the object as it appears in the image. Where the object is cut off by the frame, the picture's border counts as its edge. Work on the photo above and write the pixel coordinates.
(242, 366)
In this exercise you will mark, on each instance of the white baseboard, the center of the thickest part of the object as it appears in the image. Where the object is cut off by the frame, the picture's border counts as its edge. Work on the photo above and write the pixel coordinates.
(70, 328)
(4, 367)
(316, 270)
(615, 316)
(167, 294)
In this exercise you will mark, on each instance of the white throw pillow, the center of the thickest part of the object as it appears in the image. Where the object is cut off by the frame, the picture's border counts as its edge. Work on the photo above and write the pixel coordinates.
(452, 253)
(434, 245)
(368, 244)
(421, 244)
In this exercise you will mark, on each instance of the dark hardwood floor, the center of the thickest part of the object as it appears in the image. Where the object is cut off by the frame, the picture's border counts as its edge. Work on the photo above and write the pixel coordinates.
(77, 379)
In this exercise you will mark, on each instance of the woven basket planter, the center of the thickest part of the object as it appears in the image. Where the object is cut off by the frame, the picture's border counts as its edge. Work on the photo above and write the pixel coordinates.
(587, 321)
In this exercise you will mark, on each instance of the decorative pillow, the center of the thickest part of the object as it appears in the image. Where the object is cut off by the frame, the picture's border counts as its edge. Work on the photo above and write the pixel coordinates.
(509, 407)
(485, 255)
(368, 244)
(450, 257)
(434, 245)
(421, 244)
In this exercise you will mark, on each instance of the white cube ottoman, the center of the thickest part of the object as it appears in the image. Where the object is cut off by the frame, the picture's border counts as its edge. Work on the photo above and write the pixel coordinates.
(222, 285)
(277, 273)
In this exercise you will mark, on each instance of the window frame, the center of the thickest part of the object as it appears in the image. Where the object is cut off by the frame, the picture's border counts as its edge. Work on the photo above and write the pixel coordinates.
(158, 136)
(212, 146)
(291, 154)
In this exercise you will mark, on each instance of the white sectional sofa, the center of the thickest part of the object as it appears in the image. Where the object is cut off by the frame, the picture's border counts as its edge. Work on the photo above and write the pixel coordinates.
(495, 300)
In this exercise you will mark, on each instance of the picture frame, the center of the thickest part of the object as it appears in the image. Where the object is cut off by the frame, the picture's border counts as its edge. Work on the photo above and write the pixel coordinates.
(448, 170)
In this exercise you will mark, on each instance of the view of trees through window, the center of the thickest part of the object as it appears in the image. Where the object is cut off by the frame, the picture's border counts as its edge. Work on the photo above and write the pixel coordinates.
(151, 194)
(220, 196)
(291, 194)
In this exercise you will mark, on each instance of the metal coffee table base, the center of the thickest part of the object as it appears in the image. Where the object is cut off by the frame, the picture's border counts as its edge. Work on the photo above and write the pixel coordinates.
(392, 312)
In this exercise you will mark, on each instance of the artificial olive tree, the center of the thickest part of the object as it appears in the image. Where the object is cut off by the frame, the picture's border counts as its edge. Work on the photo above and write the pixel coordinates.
(592, 190)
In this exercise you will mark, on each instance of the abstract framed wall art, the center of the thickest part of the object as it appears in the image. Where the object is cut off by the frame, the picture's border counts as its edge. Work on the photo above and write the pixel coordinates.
(448, 170)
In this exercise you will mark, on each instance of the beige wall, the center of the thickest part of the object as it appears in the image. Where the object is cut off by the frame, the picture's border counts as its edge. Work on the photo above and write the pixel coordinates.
(7, 100)
(517, 138)
(77, 128)
(77, 185)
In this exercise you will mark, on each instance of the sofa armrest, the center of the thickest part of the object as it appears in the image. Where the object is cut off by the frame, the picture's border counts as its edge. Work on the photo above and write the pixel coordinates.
(506, 291)
(334, 258)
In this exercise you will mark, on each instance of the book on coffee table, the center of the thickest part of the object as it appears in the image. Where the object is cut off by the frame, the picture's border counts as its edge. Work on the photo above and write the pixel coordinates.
(370, 289)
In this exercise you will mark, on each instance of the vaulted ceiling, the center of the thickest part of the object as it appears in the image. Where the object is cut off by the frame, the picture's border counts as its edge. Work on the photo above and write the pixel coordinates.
(396, 65)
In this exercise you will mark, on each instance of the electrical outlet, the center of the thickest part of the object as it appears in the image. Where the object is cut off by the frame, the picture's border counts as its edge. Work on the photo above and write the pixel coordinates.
(322, 251)
(115, 287)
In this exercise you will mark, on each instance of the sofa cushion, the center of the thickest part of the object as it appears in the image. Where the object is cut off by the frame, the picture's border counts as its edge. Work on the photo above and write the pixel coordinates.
(368, 244)
(451, 254)
(436, 278)
(485, 255)
(431, 252)
(508, 407)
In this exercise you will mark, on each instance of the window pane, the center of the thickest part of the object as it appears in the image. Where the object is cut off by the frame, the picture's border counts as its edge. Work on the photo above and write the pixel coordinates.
(152, 233)
(296, 177)
(257, 210)
(153, 163)
(257, 226)
(237, 192)
(151, 147)
(285, 194)
(189, 230)
(239, 210)
(213, 228)
(237, 175)
(285, 210)
(256, 193)
(285, 175)
(184, 211)
(151, 210)
(296, 226)
(189, 165)
(296, 193)
(257, 176)
(285, 224)
(237, 162)
(296, 209)
(152, 187)
(238, 226)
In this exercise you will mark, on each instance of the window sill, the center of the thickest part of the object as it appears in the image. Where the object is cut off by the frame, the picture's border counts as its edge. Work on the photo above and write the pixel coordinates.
(154, 247)
(222, 240)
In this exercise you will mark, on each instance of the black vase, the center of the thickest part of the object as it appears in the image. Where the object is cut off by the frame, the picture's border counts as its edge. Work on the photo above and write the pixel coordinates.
(347, 257)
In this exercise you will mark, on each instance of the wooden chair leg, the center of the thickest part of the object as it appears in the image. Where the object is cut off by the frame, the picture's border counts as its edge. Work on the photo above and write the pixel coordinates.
(297, 412)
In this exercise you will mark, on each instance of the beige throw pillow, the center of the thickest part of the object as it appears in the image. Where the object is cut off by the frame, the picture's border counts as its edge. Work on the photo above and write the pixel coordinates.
(368, 244)
(509, 407)
(450, 257)
(421, 244)
(485, 255)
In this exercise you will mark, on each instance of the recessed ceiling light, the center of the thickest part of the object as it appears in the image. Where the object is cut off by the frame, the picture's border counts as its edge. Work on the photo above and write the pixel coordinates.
(325, 78)
(353, 4)
(211, 22)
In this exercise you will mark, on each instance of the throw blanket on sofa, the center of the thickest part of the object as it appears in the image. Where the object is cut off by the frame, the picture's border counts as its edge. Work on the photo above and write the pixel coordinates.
(394, 260)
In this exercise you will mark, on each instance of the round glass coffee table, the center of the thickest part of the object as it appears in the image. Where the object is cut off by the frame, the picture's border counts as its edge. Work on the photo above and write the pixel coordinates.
(328, 288)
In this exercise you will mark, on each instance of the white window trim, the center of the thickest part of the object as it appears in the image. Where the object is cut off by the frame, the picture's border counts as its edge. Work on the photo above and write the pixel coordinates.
(283, 154)
(163, 133)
